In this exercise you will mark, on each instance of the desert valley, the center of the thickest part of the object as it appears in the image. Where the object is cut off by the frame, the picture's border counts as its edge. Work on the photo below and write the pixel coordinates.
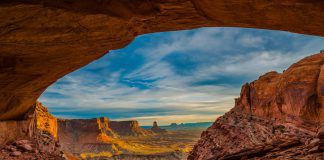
(100, 138)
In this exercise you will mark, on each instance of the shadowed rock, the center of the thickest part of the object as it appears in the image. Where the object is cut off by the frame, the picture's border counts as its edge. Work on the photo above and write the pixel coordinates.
(41, 41)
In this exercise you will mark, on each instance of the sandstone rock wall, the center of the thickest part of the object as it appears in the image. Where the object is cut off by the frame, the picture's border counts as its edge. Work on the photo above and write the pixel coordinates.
(34, 136)
(46, 121)
(41, 41)
(13, 130)
(294, 96)
(276, 116)
(128, 128)
(75, 133)
(36, 121)
(95, 135)
(104, 127)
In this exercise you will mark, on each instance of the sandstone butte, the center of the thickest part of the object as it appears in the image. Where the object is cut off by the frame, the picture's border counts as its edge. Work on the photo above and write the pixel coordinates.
(96, 135)
(42, 132)
(68, 135)
(156, 129)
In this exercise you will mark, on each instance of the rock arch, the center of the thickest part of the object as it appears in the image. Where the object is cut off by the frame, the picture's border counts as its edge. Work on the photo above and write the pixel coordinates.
(41, 41)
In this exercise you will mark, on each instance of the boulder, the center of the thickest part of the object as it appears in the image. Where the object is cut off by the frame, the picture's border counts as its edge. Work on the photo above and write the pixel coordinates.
(26, 147)
(15, 153)
(320, 133)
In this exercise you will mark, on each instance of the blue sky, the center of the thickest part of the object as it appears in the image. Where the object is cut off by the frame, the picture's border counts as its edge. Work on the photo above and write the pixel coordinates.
(182, 76)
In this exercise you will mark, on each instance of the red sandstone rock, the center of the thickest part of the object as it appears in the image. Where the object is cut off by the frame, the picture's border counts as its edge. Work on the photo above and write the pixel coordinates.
(15, 153)
(75, 133)
(291, 96)
(95, 135)
(128, 128)
(41, 41)
(26, 147)
(42, 146)
(21, 129)
(280, 109)
(156, 129)
(45, 121)
(320, 132)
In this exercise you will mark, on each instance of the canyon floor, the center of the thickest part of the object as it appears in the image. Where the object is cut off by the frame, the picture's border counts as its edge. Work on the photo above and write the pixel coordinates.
(99, 138)
(171, 145)
(96, 138)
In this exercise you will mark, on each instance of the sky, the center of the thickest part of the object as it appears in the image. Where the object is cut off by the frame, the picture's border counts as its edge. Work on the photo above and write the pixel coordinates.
(181, 76)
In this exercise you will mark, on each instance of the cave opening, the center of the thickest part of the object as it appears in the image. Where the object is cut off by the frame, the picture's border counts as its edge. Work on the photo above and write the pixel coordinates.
(278, 115)
(183, 80)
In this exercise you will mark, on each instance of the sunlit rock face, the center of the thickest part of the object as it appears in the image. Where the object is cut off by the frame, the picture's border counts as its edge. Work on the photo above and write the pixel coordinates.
(33, 137)
(276, 115)
(46, 121)
(42, 41)
(128, 128)
(76, 134)
(295, 96)
(95, 135)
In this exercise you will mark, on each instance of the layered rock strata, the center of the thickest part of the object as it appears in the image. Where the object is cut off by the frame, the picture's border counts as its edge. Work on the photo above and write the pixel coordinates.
(276, 116)
(96, 135)
(13, 130)
(41, 41)
(45, 121)
(34, 137)
(128, 128)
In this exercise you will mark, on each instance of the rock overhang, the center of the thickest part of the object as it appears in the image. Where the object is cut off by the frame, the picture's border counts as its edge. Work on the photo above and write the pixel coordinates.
(41, 41)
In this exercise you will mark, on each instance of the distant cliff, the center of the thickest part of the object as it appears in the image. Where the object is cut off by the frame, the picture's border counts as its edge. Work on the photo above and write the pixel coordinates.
(96, 135)
(188, 126)
(128, 128)
(276, 116)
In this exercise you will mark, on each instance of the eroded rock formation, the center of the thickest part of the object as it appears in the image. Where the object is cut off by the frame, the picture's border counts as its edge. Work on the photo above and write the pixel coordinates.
(128, 128)
(94, 136)
(43, 146)
(13, 130)
(34, 137)
(276, 116)
(41, 41)
(46, 121)
(156, 129)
